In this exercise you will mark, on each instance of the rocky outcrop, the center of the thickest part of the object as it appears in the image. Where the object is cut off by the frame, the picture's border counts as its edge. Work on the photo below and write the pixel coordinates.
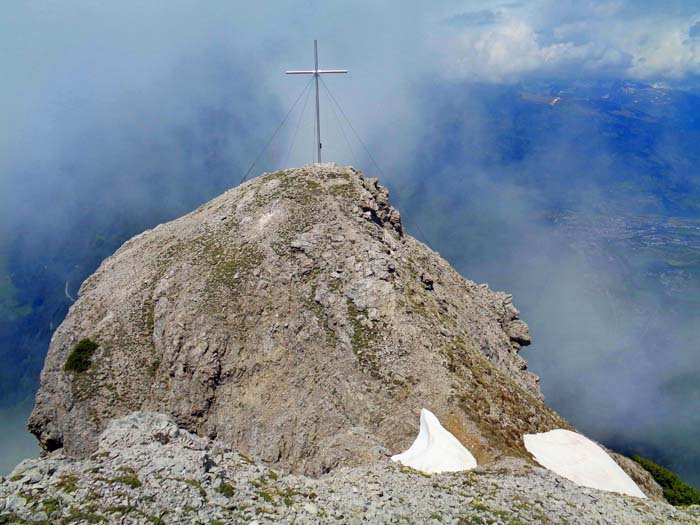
(294, 320)
(147, 470)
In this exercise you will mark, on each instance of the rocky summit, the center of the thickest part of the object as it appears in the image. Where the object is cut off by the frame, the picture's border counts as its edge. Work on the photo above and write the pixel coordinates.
(291, 324)
(293, 319)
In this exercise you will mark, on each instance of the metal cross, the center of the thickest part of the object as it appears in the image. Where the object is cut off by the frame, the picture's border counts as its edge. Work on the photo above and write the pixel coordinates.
(316, 72)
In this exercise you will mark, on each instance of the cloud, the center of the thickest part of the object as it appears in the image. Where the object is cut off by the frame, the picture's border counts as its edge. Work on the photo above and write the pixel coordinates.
(513, 50)
(472, 18)
(566, 39)
(694, 31)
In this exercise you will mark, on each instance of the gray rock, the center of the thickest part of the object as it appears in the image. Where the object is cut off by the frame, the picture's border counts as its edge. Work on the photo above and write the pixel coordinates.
(294, 320)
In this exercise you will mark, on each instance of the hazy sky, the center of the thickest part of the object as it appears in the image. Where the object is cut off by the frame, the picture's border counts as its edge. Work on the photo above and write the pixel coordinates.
(61, 56)
(139, 111)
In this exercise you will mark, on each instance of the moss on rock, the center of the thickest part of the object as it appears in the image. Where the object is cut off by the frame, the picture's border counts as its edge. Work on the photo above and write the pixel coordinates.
(80, 358)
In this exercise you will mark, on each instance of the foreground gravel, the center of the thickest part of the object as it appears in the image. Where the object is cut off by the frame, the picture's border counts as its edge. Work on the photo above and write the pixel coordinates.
(147, 470)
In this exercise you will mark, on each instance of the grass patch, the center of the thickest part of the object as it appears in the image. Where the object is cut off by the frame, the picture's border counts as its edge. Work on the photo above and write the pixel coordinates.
(226, 489)
(265, 495)
(196, 484)
(120, 509)
(80, 358)
(364, 342)
(676, 491)
(245, 458)
(88, 515)
(408, 470)
(128, 478)
(51, 505)
(68, 483)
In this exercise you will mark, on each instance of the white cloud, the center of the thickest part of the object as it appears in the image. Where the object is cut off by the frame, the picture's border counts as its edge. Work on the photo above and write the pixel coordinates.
(646, 41)
(667, 52)
(510, 50)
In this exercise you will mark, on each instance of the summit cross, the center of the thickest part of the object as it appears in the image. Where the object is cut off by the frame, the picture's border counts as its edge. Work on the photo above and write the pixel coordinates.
(316, 72)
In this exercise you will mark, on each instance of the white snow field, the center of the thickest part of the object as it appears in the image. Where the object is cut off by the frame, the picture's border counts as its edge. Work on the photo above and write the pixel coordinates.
(578, 459)
(435, 450)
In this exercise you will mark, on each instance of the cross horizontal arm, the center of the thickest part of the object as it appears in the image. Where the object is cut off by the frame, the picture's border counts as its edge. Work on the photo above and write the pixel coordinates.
(313, 72)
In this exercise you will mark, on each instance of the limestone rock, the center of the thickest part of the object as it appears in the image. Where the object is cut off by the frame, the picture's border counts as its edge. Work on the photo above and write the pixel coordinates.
(148, 470)
(294, 320)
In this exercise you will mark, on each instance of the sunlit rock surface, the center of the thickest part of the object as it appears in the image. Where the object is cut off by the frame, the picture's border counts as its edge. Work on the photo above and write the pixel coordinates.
(294, 319)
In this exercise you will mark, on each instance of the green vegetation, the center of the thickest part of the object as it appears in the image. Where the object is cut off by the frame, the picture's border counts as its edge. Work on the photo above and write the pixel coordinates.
(121, 509)
(10, 305)
(87, 515)
(266, 496)
(68, 483)
(676, 491)
(364, 340)
(153, 367)
(245, 458)
(129, 478)
(477, 505)
(409, 470)
(80, 358)
(196, 484)
(51, 505)
(158, 520)
(231, 268)
(226, 489)
(503, 410)
(10, 518)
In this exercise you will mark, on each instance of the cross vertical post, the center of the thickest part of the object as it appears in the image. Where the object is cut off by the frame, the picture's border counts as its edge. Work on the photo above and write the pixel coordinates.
(318, 105)
(316, 72)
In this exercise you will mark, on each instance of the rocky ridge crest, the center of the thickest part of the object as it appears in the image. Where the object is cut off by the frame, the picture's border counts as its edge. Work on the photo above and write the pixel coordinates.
(147, 470)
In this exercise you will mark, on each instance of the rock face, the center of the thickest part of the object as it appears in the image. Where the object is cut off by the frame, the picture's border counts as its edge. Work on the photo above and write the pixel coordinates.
(294, 320)
(147, 470)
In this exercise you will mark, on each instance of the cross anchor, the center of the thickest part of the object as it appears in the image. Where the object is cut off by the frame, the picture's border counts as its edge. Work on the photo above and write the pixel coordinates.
(316, 72)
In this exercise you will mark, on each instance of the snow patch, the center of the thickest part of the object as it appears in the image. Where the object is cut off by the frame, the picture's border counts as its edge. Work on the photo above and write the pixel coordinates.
(578, 459)
(435, 449)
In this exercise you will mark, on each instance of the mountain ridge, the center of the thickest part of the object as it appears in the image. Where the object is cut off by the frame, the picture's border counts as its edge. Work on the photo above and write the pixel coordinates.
(147, 470)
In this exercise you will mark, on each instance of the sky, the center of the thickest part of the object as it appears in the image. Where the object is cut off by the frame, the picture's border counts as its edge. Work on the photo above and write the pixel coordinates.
(125, 114)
